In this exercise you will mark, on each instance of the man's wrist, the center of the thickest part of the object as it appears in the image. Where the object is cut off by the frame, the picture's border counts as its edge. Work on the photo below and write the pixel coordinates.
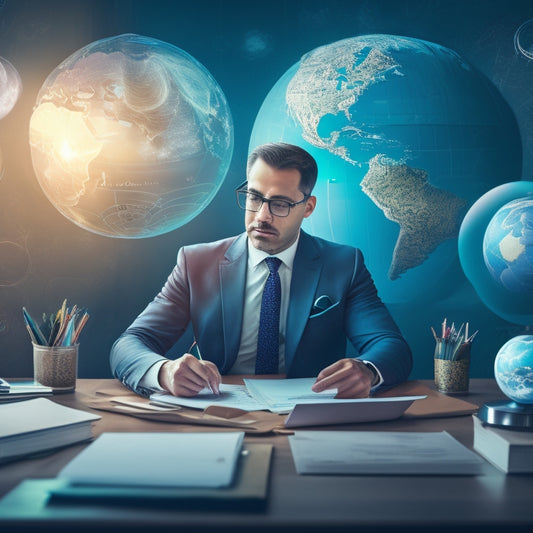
(376, 376)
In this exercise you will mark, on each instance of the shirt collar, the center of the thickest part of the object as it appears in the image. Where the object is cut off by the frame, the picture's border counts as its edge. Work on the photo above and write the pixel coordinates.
(256, 256)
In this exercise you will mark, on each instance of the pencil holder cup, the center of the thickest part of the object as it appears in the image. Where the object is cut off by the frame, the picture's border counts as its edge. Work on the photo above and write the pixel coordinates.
(56, 366)
(451, 376)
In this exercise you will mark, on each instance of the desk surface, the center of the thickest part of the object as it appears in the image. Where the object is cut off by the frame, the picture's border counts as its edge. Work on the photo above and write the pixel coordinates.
(492, 500)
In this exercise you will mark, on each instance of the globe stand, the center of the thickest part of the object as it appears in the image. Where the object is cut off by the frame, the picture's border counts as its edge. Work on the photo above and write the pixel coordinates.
(507, 414)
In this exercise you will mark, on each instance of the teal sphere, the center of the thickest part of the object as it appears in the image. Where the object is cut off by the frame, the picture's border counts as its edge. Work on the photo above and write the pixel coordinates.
(407, 135)
(130, 137)
(494, 246)
(513, 368)
(508, 245)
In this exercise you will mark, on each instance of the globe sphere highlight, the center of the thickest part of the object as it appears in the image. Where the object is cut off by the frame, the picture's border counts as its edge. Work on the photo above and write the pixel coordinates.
(490, 267)
(130, 137)
(407, 135)
(10, 87)
(513, 369)
(508, 245)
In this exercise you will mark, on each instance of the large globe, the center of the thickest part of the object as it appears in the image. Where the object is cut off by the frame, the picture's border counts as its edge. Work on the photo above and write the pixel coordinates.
(130, 137)
(406, 135)
(495, 247)
(508, 245)
(513, 368)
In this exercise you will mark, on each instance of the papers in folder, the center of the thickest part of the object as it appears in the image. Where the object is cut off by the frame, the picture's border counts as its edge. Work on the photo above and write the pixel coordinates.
(157, 460)
(381, 452)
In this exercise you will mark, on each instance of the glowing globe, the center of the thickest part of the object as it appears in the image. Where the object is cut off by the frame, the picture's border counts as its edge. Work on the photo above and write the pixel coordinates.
(495, 250)
(508, 245)
(513, 368)
(10, 87)
(130, 137)
(407, 135)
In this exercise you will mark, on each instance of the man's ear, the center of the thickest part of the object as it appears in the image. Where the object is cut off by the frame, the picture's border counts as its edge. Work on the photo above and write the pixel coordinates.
(310, 206)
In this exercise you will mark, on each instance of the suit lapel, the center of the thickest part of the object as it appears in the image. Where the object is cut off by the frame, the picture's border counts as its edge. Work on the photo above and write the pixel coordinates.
(305, 276)
(232, 285)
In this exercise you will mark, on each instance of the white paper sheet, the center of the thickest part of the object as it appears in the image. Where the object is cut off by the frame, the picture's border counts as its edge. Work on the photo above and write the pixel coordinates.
(381, 452)
(235, 396)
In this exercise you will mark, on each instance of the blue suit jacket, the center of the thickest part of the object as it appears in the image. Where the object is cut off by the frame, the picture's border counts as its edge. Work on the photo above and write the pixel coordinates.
(207, 288)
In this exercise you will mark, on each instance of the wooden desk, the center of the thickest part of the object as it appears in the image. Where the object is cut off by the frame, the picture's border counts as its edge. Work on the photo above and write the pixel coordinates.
(491, 501)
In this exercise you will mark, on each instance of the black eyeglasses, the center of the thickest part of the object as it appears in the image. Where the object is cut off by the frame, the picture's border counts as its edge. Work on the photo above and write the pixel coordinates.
(251, 201)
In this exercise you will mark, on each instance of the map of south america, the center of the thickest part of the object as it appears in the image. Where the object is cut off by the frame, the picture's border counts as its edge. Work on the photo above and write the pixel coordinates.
(427, 215)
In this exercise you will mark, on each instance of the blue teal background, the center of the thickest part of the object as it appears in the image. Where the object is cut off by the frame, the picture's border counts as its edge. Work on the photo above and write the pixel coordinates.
(246, 46)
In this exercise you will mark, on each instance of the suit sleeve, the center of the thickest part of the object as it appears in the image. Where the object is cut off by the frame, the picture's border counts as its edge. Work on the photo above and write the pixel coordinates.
(154, 331)
(372, 330)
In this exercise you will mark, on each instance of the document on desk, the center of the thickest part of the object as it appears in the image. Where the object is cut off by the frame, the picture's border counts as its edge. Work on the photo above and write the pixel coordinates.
(235, 396)
(294, 396)
(382, 452)
(281, 395)
(308, 408)
(157, 460)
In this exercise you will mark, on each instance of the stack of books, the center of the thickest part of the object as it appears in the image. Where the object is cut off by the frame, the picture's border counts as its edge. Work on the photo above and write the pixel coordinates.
(509, 450)
(41, 425)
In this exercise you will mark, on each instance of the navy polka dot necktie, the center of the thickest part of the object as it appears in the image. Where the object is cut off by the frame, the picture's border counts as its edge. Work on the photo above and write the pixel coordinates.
(268, 334)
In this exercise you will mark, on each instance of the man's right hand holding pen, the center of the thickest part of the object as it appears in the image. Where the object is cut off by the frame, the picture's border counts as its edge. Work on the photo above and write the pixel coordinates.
(188, 375)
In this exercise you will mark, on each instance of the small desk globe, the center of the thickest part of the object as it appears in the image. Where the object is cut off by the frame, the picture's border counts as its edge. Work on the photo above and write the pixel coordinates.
(513, 370)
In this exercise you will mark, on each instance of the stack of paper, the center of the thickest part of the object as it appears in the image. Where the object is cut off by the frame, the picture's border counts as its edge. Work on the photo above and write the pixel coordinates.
(39, 425)
(157, 460)
(16, 391)
(295, 396)
(381, 452)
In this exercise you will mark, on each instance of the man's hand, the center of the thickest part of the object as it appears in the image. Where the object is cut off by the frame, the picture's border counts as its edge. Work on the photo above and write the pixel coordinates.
(350, 377)
(187, 376)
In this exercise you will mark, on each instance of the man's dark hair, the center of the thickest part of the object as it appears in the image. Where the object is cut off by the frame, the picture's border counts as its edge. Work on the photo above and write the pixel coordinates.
(287, 156)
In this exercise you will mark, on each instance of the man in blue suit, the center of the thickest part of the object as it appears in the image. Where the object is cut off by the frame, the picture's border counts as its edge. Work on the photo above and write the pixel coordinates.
(327, 298)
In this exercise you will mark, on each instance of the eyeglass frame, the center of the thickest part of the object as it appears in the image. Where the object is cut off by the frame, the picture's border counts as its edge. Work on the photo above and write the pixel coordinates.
(242, 188)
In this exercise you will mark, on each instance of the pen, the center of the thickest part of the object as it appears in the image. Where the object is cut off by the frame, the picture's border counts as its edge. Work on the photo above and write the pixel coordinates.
(195, 344)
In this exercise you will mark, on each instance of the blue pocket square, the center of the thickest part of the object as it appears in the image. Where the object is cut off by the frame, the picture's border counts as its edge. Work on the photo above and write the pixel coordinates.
(321, 304)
